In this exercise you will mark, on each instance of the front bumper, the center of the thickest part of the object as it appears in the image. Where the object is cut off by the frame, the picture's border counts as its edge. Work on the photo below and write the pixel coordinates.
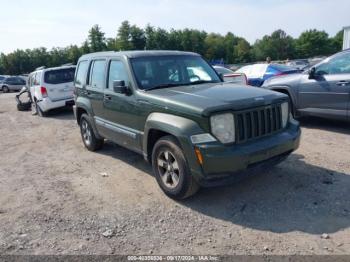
(223, 164)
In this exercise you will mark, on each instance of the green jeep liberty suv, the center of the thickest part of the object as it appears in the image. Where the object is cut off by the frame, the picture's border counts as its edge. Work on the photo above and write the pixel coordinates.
(175, 110)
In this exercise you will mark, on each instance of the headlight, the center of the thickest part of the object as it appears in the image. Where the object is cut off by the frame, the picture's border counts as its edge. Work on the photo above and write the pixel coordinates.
(285, 114)
(223, 127)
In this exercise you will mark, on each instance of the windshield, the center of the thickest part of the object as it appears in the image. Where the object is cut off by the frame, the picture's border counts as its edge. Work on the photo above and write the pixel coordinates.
(59, 76)
(164, 71)
(282, 68)
(223, 70)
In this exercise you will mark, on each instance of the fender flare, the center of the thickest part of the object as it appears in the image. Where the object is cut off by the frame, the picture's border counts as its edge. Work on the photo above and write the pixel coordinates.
(291, 95)
(180, 127)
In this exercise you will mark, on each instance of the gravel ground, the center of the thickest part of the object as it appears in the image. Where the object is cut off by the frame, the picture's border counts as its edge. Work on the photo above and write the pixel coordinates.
(58, 198)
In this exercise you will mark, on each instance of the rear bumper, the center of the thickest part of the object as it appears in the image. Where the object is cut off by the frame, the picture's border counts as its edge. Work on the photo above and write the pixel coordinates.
(225, 164)
(46, 104)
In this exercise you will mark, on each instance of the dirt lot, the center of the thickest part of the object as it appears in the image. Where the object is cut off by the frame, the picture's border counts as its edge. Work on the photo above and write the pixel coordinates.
(55, 200)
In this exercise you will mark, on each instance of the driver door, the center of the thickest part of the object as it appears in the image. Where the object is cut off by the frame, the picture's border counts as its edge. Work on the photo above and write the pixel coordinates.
(327, 92)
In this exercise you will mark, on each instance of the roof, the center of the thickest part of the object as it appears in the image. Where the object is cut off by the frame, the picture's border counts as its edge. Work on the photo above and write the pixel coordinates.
(346, 27)
(135, 54)
(53, 68)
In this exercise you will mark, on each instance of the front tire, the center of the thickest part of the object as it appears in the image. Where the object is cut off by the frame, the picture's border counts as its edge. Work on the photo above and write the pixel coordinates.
(91, 142)
(171, 169)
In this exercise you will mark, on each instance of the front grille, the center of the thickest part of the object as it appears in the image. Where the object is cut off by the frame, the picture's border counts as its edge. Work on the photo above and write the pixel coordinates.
(258, 122)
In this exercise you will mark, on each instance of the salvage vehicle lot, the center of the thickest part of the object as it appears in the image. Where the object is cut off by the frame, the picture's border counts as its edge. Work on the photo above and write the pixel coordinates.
(58, 198)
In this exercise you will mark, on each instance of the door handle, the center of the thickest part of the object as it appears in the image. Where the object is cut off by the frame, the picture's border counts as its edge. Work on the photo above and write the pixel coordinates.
(343, 83)
(107, 97)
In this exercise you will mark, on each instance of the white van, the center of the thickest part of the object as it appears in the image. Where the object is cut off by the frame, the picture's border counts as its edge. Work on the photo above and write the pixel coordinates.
(51, 88)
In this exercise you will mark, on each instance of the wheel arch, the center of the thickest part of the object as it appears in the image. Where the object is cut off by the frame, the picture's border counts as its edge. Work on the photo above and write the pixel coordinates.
(162, 124)
(285, 90)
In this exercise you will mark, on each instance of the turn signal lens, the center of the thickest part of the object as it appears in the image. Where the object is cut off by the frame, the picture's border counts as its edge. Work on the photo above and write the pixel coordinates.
(199, 155)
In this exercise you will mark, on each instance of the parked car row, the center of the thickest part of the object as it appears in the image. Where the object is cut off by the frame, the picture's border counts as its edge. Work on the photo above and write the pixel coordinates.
(257, 74)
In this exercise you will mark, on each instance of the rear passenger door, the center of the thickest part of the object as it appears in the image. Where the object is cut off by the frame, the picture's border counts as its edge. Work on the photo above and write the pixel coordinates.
(96, 84)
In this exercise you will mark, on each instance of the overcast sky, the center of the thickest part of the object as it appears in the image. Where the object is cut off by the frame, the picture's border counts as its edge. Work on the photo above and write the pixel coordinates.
(50, 23)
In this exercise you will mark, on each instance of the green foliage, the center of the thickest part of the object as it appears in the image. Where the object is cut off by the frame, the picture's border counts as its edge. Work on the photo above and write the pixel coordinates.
(313, 43)
(228, 48)
(96, 39)
(277, 46)
(337, 41)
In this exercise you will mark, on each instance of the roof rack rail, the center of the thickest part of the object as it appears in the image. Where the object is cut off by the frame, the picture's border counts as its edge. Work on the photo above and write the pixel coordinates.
(68, 64)
(40, 68)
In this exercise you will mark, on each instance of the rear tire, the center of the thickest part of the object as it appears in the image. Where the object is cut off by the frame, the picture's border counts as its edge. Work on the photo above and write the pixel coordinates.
(171, 169)
(33, 108)
(5, 89)
(91, 142)
(36, 110)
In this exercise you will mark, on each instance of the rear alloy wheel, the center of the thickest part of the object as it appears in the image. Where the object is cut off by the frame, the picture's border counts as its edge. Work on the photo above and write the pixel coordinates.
(91, 142)
(5, 89)
(171, 169)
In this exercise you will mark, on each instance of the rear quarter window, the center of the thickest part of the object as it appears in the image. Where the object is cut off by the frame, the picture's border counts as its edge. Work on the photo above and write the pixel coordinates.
(59, 76)
(81, 75)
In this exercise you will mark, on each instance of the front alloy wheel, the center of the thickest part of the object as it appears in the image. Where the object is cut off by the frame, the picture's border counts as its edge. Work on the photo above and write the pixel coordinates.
(171, 169)
(168, 169)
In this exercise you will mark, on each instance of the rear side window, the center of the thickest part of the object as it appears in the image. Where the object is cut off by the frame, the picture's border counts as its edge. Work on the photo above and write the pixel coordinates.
(80, 78)
(98, 74)
(19, 81)
(37, 78)
(60, 76)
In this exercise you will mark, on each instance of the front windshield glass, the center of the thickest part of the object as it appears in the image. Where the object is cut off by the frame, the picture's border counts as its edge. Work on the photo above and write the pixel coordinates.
(173, 70)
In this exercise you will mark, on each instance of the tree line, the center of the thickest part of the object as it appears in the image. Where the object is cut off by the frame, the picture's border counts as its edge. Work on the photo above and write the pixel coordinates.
(227, 48)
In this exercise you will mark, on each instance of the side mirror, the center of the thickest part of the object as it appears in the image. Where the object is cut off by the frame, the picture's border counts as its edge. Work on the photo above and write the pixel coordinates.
(120, 87)
(222, 77)
(312, 73)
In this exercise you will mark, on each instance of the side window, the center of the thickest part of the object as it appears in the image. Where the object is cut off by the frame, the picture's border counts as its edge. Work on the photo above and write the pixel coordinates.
(80, 78)
(117, 71)
(9, 81)
(337, 65)
(31, 80)
(37, 78)
(97, 75)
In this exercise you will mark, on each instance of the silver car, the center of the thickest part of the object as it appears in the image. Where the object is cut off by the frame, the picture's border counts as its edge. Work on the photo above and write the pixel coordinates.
(12, 83)
(323, 90)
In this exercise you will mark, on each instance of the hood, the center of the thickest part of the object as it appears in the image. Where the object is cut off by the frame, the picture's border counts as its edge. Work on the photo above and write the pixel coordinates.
(206, 99)
(282, 80)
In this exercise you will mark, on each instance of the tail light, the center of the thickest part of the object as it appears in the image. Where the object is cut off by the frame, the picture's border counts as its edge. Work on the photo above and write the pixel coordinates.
(43, 91)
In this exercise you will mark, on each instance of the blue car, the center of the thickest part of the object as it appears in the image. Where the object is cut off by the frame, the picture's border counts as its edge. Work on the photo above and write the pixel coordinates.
(258, 73)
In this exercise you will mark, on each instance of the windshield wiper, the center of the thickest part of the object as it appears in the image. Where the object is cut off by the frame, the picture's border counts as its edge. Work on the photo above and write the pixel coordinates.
(180, 84)
(198, 82)
(163, 86)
